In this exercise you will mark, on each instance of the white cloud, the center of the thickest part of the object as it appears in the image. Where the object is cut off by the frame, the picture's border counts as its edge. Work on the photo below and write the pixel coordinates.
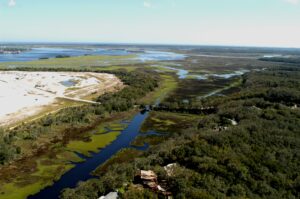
(294, 2)
(147, 4)
(12, 3)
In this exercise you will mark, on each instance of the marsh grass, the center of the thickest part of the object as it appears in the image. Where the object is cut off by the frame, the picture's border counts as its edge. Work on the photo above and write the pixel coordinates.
(167, 122)
(86, 62)
(168, 84)
(123, 156)
(95, 143)
(44, 170)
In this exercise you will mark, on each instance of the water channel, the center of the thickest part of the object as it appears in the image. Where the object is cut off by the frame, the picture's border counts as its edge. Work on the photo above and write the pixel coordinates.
(82, 171)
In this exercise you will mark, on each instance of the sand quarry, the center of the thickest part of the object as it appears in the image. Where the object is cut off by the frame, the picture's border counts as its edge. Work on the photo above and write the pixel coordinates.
(25, 94)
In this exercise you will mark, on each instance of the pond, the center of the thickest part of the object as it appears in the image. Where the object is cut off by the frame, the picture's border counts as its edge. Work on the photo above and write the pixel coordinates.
(68, 83)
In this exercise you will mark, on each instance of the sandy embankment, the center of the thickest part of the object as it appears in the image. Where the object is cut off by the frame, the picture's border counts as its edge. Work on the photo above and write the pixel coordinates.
(25, 94)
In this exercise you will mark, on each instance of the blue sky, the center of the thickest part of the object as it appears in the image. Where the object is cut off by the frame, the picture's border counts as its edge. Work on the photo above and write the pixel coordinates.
(207, 22)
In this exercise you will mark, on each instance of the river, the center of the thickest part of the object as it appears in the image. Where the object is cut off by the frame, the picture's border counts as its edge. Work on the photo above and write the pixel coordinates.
(82, 171)
(183, 74)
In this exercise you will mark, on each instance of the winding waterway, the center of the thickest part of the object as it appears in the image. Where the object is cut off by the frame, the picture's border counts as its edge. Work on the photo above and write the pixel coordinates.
(82, 171)
(183, 74)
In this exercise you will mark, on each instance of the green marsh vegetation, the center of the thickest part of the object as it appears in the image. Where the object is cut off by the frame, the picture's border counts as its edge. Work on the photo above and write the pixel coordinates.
(190, 89)
(257, 156)
(124, 156)
(75, 63)
(42, 149)
(168, 83)
(289, 60)
(41, 172)
(97, 138)
(167, 122)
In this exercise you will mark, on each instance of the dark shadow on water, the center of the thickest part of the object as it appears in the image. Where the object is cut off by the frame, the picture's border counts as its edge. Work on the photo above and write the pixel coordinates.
(152, 133)
(141, 148)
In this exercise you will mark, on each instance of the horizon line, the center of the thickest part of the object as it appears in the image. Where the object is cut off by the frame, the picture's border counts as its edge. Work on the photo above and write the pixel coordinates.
(147, 44)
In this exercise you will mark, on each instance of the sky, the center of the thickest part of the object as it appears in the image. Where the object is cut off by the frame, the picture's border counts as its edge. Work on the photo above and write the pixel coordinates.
(199, 22)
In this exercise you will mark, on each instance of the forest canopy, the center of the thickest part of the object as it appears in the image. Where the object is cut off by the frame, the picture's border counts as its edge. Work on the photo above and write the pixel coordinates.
(248, 148)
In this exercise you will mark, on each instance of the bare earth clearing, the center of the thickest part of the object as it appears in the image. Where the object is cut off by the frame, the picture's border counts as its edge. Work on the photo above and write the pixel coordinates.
(25, 94)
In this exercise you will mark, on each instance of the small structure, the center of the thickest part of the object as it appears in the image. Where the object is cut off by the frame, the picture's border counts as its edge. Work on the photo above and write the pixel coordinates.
(148, 175)
(149, 180)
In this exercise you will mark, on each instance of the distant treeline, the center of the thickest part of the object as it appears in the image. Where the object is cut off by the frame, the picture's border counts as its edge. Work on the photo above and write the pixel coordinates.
(168, 107)
(288, 60)
(247, 50)
(62, 56)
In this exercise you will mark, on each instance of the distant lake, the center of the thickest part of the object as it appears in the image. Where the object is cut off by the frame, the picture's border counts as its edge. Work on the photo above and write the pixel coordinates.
(38, 53)
(160, 56)
(41, 53)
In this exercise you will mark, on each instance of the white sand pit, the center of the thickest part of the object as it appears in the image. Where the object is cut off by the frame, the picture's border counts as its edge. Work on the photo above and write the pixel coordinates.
(24, 94)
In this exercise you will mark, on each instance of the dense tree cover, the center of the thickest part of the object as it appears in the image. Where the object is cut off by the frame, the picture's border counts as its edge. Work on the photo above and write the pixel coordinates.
(73, 120)
(139, 85)
(245, 50)
(62, 56)
(295, 60)
(7, 151)
(257, 156)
